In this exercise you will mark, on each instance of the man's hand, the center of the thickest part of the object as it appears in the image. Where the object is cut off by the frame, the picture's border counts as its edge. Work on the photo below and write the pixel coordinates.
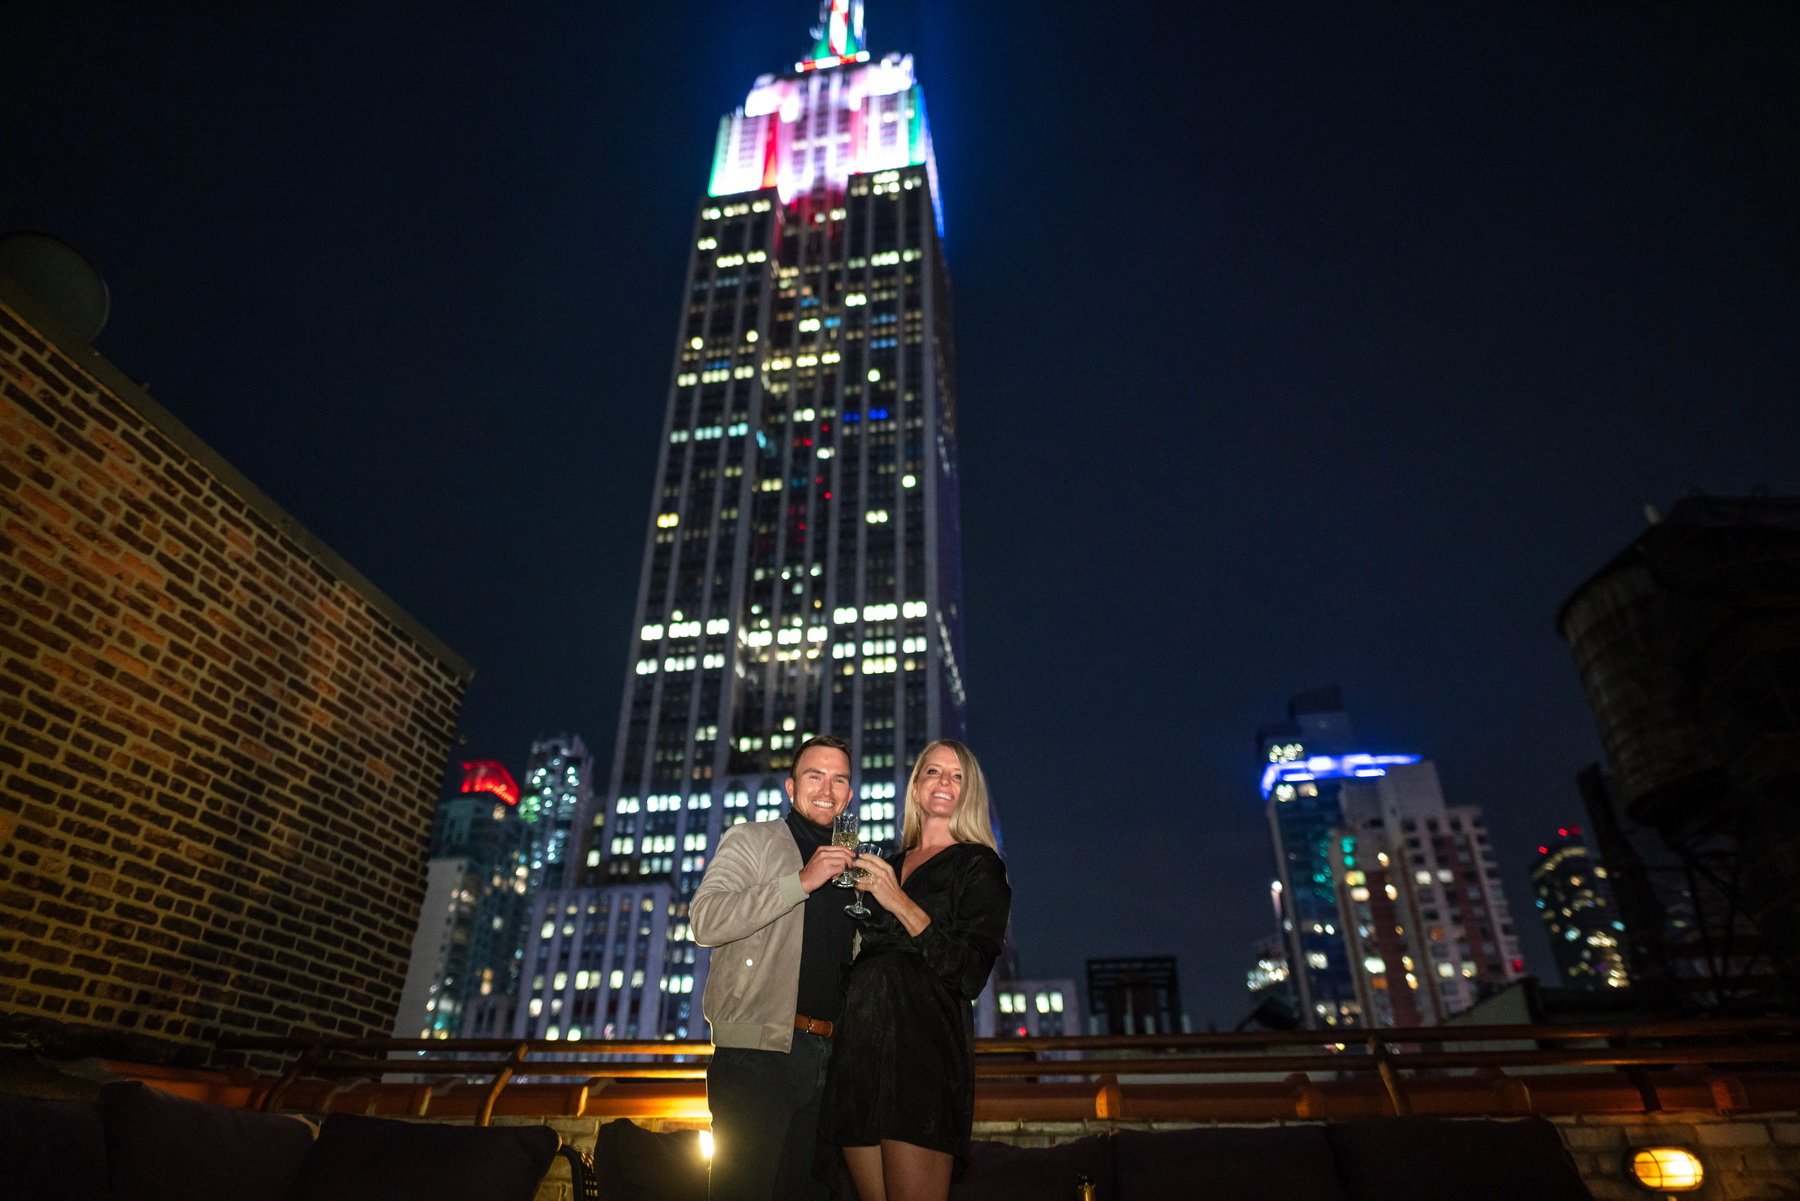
(825, 863)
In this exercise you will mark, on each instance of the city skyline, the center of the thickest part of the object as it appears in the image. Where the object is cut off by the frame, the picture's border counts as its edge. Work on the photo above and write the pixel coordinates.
(1343, 350)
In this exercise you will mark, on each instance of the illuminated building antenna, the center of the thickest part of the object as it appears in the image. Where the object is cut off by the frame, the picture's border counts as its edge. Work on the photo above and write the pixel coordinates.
(838, 37)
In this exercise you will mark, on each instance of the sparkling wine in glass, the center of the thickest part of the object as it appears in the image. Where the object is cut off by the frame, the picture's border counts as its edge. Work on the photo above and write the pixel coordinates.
(843, 834)
(859, 909)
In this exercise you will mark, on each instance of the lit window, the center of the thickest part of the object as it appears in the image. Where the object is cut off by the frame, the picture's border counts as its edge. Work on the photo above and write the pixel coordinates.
(667, 521)
(617, 980)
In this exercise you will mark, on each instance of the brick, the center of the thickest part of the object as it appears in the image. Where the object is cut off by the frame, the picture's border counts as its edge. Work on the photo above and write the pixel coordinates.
(1593, 1138)
(1733, 1134)
(222, 758)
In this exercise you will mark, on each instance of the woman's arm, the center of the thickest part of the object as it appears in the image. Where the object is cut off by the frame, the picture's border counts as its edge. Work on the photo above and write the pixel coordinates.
(962, 948)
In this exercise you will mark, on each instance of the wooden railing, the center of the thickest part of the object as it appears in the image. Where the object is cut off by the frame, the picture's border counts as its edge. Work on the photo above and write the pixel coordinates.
(1641, 1051)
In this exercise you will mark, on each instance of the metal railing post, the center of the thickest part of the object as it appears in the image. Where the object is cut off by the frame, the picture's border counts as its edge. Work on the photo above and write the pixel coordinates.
(486, 1112)
(1390, 1079)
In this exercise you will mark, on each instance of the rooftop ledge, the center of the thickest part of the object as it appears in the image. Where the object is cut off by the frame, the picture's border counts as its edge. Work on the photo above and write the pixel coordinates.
(1722, 1067)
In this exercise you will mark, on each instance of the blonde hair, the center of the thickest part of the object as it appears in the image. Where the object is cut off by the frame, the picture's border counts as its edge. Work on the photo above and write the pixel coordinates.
(970, 821)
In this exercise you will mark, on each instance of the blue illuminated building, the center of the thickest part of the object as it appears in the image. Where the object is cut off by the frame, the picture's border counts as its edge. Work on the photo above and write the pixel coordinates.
(1307, 760)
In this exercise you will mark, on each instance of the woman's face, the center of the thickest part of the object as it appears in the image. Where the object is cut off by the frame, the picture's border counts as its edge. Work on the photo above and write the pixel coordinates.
(940, 784)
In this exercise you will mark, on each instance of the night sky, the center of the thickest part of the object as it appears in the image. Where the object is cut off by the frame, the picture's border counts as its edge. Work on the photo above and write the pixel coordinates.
(1298, 343)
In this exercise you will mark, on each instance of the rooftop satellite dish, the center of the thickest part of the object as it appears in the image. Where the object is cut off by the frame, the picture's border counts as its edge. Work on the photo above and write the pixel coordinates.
(60, 277)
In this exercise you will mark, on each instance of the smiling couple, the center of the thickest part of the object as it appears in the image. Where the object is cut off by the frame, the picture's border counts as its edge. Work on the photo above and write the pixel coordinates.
(838, 1033)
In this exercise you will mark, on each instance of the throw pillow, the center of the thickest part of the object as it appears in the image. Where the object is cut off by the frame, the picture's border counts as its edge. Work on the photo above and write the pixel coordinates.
(1228, 1163)
(52, 1150)
(1426, 1159)
(635, 1164)
(379, 1159)
(163, 1148)
(1002, 1172)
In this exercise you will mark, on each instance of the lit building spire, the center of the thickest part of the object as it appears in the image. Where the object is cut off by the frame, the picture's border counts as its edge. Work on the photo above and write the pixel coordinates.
(838, 36)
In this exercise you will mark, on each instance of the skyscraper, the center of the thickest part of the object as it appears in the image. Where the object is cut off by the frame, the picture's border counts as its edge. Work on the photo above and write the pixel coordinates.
(1587, 936)
(558, 792)
(1426, 928)
(472, 922)
(800, 571)
(1313, 747)
(1388, 899)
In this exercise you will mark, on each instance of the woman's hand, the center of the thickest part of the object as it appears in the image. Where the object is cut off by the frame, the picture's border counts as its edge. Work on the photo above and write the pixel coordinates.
(879, 881)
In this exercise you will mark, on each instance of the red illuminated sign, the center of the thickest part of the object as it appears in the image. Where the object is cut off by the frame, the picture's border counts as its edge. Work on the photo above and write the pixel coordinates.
(485, 775)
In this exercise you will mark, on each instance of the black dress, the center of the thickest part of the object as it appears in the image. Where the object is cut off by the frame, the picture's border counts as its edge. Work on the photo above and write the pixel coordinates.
(903, 1057)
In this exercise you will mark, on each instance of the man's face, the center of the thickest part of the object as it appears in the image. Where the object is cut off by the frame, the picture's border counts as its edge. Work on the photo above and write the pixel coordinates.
(820, 785)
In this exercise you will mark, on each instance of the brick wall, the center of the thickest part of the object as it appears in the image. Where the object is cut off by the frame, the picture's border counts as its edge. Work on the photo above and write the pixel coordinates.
(219, 744)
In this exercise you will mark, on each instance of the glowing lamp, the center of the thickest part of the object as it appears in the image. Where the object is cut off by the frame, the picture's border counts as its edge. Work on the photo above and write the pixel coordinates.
(706, 1144)
(1668, 1169)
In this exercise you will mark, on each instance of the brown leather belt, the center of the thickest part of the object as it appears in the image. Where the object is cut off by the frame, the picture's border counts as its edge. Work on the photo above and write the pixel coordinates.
(813, 1025)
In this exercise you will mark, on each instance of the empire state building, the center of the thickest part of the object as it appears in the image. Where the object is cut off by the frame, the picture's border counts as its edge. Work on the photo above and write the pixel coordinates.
(800, 572)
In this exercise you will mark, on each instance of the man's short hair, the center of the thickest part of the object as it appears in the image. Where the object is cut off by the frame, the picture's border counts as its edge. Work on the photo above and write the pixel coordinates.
(829, 740)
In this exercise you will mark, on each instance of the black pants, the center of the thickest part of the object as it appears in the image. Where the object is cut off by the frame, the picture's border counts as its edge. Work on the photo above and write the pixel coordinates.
(765, 1121)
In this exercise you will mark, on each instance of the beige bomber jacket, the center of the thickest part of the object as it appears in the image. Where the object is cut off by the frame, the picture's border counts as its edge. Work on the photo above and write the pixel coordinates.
(750, 908)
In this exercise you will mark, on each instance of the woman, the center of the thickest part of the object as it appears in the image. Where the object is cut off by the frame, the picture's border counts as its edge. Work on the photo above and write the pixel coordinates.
(900, 1096)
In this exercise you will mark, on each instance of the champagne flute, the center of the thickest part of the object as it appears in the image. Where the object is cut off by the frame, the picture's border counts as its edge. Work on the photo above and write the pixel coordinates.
(859, 909)
(843, 834)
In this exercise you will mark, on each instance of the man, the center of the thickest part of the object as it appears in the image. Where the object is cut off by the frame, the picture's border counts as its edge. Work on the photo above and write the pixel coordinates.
(781, 943)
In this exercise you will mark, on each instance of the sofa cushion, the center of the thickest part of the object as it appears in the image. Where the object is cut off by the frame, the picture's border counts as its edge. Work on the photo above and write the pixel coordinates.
(635, 1164)
(379, 1159)
(1425, 1159)
(53, 1150)
(164, 1148)
(1227, 1163)
(1001, 1172)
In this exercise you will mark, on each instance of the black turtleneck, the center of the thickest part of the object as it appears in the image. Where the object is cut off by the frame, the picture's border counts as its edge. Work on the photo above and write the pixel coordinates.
(830, 932)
